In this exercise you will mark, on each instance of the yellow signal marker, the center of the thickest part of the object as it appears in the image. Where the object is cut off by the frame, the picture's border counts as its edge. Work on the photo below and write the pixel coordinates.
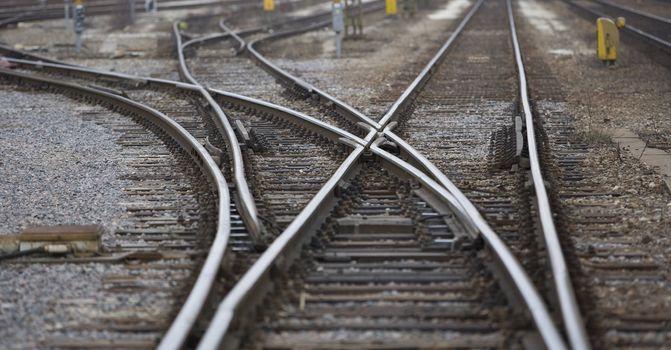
(391, 7)
(608, 38)
(268, 5)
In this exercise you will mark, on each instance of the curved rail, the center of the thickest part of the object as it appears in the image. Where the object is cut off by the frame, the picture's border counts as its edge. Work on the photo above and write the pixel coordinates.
(521, 281)
(243, 193)
(573, 322)
(198, 295)
(246, 292)
(298, 84)
(243, 294)
(184, 322)
(247, 207)
(329, 131)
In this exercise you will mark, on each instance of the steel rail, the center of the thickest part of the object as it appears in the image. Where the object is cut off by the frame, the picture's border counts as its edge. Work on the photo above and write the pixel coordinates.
(187, 316)
(226, 312)
(298, 84)
(228, 32)
(201, 289)
(327, 130)
(13, 53)
(247, 205)
(248, 291)
(570, 311)
(408, 95)
(666, 45)
(38, 13)
(525, 287)
(634, 11)
(308, 214)
(184, 321)
(353, 113)
(398, 107)
(250, 288)
(256, 282)
(238, 34)
(235, 36)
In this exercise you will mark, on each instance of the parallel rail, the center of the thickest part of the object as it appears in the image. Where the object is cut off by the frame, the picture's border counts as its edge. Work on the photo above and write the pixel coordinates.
(570, 311)
(635, 11)
(200, 291)
(297, 84)
(254, 283)
(653, 39)
(53, 11)
(193, 148)
(279, 255)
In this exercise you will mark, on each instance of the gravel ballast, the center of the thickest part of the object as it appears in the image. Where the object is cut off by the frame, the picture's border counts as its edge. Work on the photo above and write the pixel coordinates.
(56, 168)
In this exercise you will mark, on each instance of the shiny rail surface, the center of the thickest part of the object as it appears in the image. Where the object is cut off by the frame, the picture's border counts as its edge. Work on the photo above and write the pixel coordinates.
(200, 291)
(11, 14)
(635, 11)
(178, 332)
(193, 148)
(247, 206)
(295, 233)
(182, 325)
(243, 293)
(299, 85)
(572, 319)
(656, 30)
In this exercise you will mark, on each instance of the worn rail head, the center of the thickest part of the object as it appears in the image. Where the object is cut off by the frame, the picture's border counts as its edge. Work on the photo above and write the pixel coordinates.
(342, 108)
(247, 207)
(411, 91)
(242, 297)
(570, 311)
(196, 299)
(252, 287)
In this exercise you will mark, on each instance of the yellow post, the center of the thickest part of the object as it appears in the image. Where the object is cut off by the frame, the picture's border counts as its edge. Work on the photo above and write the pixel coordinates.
(608, 38)
(268, 5)
(391, 7)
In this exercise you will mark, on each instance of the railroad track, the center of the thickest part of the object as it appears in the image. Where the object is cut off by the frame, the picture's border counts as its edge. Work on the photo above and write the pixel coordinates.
(170, 215)
(206, 26)
(479, 142)
(239, 304)
(361, 185)
(179, 98)
(282, 184)
(385, 262)
(245, 77)
(11, 14)
(653, 29)
(618, 274)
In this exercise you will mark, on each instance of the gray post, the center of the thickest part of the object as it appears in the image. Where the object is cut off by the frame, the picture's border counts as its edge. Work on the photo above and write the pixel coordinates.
(150, 6)
(131, 4)
(67, 5)
(338, 26)
(79, 26)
